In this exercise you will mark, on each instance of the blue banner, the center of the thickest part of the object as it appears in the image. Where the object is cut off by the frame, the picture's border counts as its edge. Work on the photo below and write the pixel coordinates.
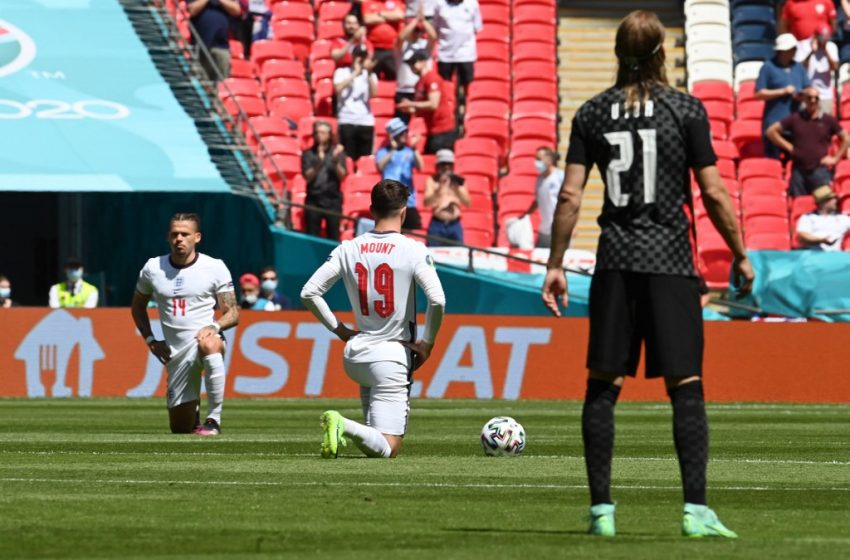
(83, 108)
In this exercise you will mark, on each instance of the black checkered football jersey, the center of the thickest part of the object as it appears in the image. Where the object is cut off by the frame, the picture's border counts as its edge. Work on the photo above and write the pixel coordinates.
(644, 158)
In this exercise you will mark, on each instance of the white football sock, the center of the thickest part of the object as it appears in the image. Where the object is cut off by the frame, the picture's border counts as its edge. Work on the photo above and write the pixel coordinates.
(369, 440)
(214, 382)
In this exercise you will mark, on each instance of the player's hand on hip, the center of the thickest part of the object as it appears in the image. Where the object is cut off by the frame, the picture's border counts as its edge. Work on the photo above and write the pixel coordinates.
(344, 333)
(554, 285)
(743, 276)
(161, 350)
(205, 332)
(421, 351)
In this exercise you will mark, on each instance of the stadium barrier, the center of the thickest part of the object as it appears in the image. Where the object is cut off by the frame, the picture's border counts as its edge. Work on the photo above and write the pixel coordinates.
(97, 353)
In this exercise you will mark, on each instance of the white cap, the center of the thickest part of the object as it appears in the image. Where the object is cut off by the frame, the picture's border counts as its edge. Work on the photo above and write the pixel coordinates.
(785, 42)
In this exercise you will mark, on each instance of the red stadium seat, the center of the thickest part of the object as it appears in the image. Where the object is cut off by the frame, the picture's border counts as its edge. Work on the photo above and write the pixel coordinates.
(522, 165)
(477, 220)
(488, 107)
(293, 108)
(756, 186)
(334, 11)
(429, 163)
(366, 166)
(495, 13)
(241, 87)
(300, 33)
(534, 13)
(721, 110)
(525, 147)
(494, 50)
(330, 29)
(357, 204)
(237, 50)
(240, 68)
(719, 129)
(747, 138)
(320, 50)
(725, 149)
(536, 71)
(382, 107)
(475, 146)
(514, 182)
(532, 52)
(321, 69)
(492, 70)
(842, 171)
(476, 238)
(267, 49)
(766, 233)
(489, 127)
(751, 109)
(529, 90)
(514, 202)
(746, 90)
(536, 128)
(292, 11)
(542, 33)
(274, 68)
(297, 185)
(489, 89)
(478, 184)
(386, 89)
(268, 126)
(251, 106)
(481, 202)
(359, 183)
(712, 90)
(483, 166)
(281, 145)
(759, 167)
(288, 164)
(494, 32)
(763, 204)
(323, 94)
(287, 87)
(531, 107)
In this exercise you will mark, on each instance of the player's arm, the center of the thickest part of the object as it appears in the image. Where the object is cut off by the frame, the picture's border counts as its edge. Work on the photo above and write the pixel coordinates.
(225, 298)
(722, 214)
(139, 311)
(563, 224)
(316, 287)
(426, 277)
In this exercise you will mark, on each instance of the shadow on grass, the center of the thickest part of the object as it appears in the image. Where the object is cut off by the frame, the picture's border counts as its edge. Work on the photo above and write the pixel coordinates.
(582, 533)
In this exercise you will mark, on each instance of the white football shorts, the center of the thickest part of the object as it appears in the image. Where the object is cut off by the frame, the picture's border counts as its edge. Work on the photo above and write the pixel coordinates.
(184, 375)
(384, 394)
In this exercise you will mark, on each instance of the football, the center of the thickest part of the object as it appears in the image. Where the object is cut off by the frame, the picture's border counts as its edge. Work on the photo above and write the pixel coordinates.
(503, 436)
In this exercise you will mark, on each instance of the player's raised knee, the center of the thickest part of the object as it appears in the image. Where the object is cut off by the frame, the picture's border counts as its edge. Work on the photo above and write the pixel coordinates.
(211, 345)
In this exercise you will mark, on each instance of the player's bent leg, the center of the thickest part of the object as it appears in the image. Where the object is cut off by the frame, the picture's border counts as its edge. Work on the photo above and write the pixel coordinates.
(395, 444)
(212, 355)
(183, 417)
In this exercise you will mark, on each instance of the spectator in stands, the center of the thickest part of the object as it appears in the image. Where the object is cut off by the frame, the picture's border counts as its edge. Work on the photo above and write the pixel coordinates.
(546, 193)
(807, 136)
(354, 87)
(212, 19)
(73, 291)
(268, 290)
(6, 293)
(426, 7)
(323, 167)
(819, 56)
(434, 100)
(803, 18)
(824, 229)
(418, 34)
(457, 22)
(445, 194)
(383, 20)
(249, 285)
(355, 36)
(779, 84)
(397, 160)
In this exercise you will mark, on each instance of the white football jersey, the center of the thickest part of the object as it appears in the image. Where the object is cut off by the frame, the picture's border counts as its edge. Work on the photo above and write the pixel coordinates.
(379, 270)
(186, 296)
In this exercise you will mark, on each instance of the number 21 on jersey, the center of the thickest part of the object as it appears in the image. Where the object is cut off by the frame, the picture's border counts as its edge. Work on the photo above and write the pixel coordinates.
(623, 139)
(383, 284)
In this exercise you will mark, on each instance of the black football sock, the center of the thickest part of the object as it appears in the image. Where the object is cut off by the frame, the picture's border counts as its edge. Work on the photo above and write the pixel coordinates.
(597, 430)
(690, 433)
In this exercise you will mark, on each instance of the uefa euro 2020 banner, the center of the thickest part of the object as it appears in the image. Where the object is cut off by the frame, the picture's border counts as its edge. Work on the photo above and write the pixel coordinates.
(83, 108)
(52, 353)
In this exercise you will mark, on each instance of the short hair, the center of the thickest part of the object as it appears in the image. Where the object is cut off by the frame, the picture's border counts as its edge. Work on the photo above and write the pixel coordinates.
(268, 268)
(4, 278)
(388, 197)
(186, 217)
(553, 155)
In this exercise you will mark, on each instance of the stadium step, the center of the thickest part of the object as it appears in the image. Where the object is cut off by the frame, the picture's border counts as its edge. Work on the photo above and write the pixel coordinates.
(587, 65)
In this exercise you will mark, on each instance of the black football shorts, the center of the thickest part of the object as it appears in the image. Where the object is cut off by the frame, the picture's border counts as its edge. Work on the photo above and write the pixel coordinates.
(662, 311)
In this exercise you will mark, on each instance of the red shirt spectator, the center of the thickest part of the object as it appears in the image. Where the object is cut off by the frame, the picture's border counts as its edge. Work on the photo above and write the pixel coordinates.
(803, 18)
(355, 34)
(348, 45)
(383, 35)
(442, 119)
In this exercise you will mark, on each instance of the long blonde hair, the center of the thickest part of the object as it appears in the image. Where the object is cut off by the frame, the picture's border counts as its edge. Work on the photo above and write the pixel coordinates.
(640, 55)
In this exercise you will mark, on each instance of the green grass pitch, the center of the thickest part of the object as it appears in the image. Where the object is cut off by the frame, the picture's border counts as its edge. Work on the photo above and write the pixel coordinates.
(103, 479)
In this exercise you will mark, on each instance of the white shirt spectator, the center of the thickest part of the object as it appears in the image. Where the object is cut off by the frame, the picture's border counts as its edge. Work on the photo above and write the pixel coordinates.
(818, 69)
(353, 101)
(406, 78)
(456, 24)
(412, 8)
(832, 226)
(547, 190)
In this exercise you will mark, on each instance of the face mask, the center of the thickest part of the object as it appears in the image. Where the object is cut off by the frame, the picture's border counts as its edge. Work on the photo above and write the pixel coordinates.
(269, 285)
(74, 274)
(540, 166)
(250, 298)
(5, 293)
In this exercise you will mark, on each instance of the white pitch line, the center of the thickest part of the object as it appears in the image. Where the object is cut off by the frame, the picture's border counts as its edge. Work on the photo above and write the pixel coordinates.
(403, 484)
(265, 454)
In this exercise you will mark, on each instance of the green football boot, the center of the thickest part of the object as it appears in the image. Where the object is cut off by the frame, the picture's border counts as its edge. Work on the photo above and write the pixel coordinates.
(332, 426)
(700, 521)
(602, 520)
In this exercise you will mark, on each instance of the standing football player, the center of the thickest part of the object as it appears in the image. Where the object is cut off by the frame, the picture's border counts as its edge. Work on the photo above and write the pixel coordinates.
(645, 137)
(187, 286)
(379, 269)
